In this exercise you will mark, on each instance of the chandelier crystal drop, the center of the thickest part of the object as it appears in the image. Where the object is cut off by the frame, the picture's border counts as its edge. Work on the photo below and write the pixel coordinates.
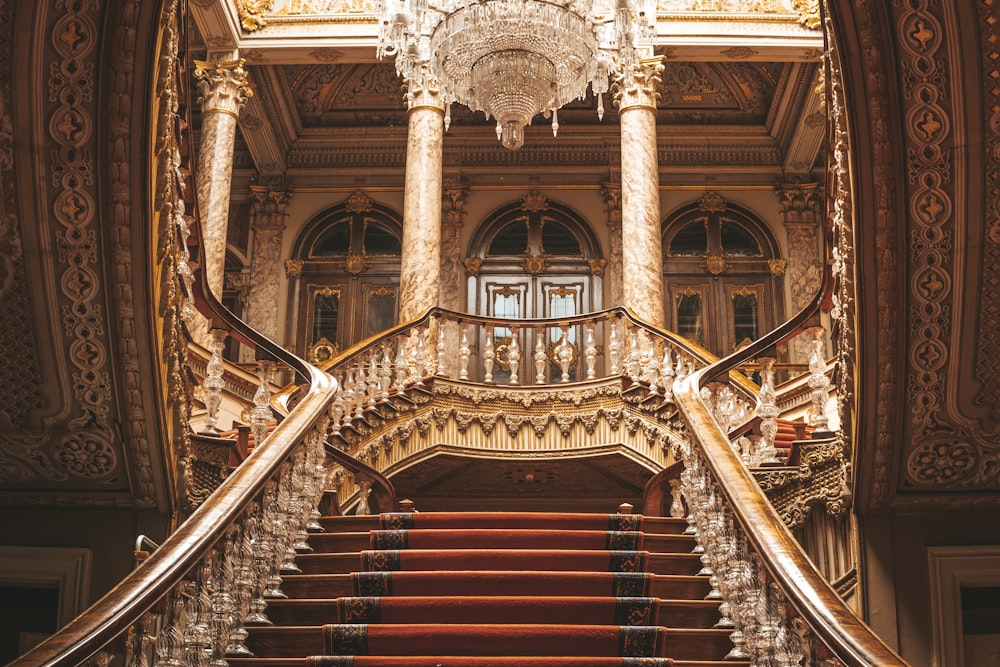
(514, 59)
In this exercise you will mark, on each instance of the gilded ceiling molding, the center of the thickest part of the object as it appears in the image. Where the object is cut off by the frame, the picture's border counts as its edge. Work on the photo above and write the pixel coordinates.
(253, 12)
(120, 216)
(875, 70)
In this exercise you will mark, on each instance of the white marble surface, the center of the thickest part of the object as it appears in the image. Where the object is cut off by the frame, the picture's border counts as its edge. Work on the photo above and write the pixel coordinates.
(419, 273)
(642, 268)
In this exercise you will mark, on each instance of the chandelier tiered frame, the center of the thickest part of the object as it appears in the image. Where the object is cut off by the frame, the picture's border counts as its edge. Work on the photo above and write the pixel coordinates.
(514, 59)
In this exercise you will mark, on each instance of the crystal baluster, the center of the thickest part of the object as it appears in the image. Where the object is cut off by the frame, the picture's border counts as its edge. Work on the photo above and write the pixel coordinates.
(818, 381)
(317, 479)
(441, 350)
(644, 355)
(767, 410)
(360, 390)
(514, 355)
(375, 381)
(198, 612)
(614, 348)
(419, 358)
(365, 490)
(274, 529)
(385, 373)
(464, 352)
(304, 473)
(140, 641)
(676, 499)
(402, 368)
(223, 608)
(261, 558)
(488, 357)
(667, 368)
(540, 357)
(590, 351)
(565, 353)
(242, 557)
(337, 411)
(289, 492)
(347, 389)
(214, 384)
(653, 370)
(632, 361)
(260, 416)
(170, 641)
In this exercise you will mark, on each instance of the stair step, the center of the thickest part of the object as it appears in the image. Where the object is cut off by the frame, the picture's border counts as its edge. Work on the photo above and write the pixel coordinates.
(342, 563)
(673, 613)
(543, 520)
(458, 538)
(488, 639)
(494, 589)
(481, 661)
(311, 586)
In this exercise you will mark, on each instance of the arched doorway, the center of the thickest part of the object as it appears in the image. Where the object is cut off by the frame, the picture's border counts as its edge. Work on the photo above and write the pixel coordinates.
(348, 287)
(722, 274)
(534, 258)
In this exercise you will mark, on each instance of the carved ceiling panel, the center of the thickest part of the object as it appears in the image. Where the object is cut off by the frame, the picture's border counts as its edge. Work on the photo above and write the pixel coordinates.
(68, 383)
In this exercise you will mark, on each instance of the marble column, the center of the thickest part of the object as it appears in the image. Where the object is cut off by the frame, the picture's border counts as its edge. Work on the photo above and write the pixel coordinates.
(613, 201)
(635, 96)
(803, 270)
(267, 221)
(420, 268)
(223, 89)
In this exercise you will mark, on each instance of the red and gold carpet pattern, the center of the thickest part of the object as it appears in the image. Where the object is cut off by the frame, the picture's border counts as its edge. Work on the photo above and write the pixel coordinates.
(494, 585)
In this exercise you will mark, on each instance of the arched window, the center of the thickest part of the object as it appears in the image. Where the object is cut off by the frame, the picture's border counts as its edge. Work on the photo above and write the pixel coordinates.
(533, 258)
(722, 274)
(348, 287)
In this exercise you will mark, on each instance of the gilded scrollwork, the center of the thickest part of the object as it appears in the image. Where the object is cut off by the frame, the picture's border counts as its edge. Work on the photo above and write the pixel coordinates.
(822, 478)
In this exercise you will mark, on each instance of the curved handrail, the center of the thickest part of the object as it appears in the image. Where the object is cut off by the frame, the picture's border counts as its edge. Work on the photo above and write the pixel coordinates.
(383, 489)
(808, 592)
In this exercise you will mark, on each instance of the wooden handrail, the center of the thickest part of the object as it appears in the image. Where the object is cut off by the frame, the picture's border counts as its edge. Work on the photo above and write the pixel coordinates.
(382, 487)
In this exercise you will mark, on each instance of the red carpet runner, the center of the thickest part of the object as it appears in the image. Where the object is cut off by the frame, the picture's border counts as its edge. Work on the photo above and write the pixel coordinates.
(495, 590)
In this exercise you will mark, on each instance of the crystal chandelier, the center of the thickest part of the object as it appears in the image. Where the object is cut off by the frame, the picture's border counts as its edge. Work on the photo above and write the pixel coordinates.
(513, 59)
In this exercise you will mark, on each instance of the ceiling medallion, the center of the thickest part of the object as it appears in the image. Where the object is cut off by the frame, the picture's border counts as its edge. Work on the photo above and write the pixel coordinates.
(514, 59)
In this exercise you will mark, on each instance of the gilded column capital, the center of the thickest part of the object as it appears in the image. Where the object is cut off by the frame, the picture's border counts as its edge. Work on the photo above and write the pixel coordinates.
(638, 87)
(223, 86)
(801, 203)
(423, 91)
(267, 207)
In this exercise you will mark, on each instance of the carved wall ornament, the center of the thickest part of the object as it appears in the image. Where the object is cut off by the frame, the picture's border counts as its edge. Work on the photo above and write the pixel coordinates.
(293, 268)
(472, 265)
(327, 54)
(712, 202)
(253, 13)
(535, 201)
(597, 266)
(739, 52)
(777, 266)
(715, 264)
(534, 264)
(359, 202)
(356, 264)
(453, 196)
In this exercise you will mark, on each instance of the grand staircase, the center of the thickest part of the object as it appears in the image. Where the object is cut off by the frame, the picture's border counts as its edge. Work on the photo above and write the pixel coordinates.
(494, 590)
